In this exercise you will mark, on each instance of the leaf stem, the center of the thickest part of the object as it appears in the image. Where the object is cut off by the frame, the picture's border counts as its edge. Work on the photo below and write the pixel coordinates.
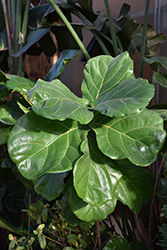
(143, 44)
(70, 28)
(113, 36)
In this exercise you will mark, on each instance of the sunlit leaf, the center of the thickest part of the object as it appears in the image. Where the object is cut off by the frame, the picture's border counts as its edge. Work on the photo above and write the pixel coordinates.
(86, 212)
(39, 146)
(125, 98)
(20, 84)
(54, 100)
(95, 176)
(137, 137)
(103, 73)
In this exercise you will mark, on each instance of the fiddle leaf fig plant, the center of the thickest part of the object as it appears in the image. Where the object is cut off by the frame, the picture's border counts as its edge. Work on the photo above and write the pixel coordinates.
(95, 145)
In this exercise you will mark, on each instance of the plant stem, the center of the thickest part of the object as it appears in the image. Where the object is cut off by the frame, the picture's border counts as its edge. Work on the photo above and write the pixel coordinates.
(152, 203)
(70, 28)
(95, 34)
(6, 17)
(143, 44)
(53, 240)
(111, 27)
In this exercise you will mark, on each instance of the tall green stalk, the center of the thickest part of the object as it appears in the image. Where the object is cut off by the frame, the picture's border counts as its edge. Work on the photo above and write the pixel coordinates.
(111, 28)
(143, 44)
(97, 36)
(16, 32)
(70, 28)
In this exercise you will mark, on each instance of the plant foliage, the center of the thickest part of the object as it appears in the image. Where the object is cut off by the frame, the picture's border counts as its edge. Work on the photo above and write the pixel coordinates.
(99, 138)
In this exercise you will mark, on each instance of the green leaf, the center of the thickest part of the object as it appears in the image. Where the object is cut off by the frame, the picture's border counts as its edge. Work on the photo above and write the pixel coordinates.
(39, 146)
(134, 187)
(158, 77)
(45, 185)
(12, 244)
(32, 38)
(68, 248)
(95, 176)
(71, 218)
(158, 60)
(98, 179)
(138, 137)
(85, 211)
(102, 73)
(4, 132)
(117, 244)
(45, 214)
(6, 225)
(3, 76)
(125, 98)
(59, 66)
(10, 113)
(42, 241)
(161, 112)
(20, 84)
(54, 100)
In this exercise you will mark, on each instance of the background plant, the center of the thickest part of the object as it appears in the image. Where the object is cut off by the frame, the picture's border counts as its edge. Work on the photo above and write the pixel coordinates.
(102, 102)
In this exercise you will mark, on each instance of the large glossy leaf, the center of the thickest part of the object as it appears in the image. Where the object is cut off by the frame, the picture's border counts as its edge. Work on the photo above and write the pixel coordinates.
(117, 244)
(10, 113)
(138, 137)
(59, 66)
(85, 211)
(50, 186)
(54, 100)
(39, 146)
(125, 98)
(103, 73)
(95, 176)
(71, 218)
(134, 187)
(98, 179)
(20, 84)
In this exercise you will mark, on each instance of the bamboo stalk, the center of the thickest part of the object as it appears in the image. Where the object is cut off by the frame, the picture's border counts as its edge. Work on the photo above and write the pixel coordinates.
(70, 28)
(143, 44)
(112, 31)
